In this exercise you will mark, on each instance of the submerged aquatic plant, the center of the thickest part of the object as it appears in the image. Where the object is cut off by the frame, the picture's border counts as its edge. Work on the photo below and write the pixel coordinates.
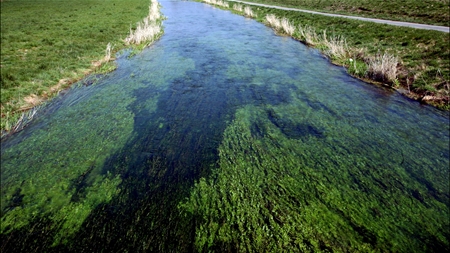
(275, 192)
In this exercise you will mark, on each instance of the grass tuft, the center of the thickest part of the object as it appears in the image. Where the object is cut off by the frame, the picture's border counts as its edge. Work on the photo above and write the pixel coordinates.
(25, 118)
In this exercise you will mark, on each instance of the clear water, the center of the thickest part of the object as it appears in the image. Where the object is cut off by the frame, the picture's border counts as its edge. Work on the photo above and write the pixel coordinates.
(223, 136)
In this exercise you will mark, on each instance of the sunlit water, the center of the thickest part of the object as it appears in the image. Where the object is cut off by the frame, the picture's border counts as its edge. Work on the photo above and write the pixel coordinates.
(224, 136)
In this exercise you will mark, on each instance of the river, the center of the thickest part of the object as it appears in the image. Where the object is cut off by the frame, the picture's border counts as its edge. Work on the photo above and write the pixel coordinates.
(223, 136)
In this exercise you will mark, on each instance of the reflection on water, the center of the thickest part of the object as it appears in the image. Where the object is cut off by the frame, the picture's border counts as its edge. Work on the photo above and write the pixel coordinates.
(225, 137)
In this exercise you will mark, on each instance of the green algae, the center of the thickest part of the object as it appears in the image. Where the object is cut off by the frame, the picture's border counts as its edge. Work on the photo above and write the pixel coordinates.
(272, 192)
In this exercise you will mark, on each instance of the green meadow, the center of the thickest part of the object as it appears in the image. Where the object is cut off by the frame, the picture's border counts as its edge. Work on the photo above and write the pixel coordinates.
(49, 44)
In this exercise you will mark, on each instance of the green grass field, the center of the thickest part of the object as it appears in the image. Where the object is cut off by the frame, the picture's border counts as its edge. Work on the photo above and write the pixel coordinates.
(434, 12)
(45, 41)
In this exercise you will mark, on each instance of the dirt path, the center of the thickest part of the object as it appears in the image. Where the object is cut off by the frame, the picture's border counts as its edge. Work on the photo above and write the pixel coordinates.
(381, 21)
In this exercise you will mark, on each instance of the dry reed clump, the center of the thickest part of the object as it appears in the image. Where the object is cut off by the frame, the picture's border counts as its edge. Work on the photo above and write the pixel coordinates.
(273, 21)
(282, 25)
(249, 12)
(218, 2)
(308, 35)
(148, 28)
(238, 7)
(336, 46)
(383, 67)
(287, 26)
(224, 4)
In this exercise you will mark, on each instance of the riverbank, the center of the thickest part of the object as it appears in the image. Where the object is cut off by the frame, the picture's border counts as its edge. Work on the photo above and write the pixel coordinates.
(48, 45)
(411, 61)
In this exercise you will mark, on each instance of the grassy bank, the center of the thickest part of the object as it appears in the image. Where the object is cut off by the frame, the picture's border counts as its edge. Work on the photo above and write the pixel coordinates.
(433, 12)
(49, 44)
(413, 61)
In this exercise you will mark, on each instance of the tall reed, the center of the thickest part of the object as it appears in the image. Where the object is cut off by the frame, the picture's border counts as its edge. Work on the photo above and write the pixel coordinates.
(218, 2)
(280, 25)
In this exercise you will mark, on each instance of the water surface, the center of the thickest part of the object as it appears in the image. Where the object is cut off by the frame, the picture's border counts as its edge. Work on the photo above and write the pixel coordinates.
(223, 136)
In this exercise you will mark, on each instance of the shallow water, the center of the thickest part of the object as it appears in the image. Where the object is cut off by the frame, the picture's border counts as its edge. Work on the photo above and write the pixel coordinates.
(224, 136)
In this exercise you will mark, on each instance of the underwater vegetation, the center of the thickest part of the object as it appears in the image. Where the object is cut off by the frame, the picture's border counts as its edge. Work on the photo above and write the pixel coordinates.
(275, 191)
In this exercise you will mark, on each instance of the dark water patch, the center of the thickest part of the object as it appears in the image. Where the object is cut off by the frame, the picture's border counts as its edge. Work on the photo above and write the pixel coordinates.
(15, 201)
(258, 130)
(79, 185)
(292, 129)
(35, 237)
